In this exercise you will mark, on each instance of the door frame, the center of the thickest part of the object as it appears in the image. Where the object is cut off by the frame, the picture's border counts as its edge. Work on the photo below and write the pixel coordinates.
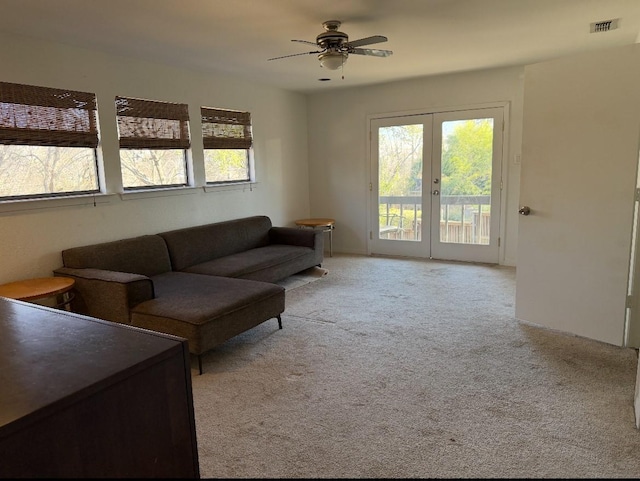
(436, 110)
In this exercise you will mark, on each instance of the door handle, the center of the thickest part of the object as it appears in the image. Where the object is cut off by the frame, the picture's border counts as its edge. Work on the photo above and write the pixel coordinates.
(525, 210)
(436, 192)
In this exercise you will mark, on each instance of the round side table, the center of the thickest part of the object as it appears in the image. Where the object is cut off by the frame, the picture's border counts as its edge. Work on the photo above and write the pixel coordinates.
(325, 224)
(40, 288)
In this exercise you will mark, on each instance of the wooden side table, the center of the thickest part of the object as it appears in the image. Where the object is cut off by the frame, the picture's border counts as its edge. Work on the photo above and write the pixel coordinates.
(325, 224)
(40, 288)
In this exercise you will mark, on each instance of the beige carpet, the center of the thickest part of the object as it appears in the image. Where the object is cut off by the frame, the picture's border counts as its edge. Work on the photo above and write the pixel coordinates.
(393, 368)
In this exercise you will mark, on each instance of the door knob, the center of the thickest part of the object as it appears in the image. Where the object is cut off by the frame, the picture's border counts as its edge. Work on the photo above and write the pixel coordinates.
(436, 192)
(524, 210)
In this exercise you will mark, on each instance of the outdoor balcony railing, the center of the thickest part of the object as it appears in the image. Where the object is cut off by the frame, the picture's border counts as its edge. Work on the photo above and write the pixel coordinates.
(463, 218)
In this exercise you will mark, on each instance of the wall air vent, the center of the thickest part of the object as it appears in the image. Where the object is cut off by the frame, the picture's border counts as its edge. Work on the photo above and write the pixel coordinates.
(604, 26)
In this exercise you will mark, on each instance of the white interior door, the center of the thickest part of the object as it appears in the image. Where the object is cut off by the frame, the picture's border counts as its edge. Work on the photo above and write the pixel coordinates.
(579, 161)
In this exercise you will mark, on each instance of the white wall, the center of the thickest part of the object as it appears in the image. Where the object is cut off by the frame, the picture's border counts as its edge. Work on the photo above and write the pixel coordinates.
(338, 162)
(32, 237)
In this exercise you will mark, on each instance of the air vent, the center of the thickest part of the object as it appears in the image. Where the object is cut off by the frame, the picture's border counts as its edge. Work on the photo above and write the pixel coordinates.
(604, 26)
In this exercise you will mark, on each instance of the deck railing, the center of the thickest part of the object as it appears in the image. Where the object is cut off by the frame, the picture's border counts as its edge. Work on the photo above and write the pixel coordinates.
(463, 218)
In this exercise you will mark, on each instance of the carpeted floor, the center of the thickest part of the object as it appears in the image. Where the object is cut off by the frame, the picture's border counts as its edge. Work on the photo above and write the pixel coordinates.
(394, 368)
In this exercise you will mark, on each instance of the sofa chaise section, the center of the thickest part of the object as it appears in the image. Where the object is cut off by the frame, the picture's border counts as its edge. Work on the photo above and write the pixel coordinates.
(207, 310)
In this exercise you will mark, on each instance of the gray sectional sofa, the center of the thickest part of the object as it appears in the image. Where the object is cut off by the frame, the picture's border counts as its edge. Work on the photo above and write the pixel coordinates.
(205, 284)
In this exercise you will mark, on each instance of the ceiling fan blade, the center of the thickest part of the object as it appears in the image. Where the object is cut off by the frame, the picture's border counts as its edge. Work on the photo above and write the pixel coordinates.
(295, 55)
(367, 41)
(371, 51)
(307, 42)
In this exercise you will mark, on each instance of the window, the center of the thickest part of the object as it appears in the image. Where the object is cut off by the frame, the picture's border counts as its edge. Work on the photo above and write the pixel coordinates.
(226, 135)
(48, 141)
(154, 139)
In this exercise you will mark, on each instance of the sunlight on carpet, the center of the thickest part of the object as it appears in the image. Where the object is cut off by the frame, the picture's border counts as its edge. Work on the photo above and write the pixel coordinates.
(303, 278)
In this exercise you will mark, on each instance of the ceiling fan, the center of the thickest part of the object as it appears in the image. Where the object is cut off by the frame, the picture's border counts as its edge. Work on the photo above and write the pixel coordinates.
(334, 46)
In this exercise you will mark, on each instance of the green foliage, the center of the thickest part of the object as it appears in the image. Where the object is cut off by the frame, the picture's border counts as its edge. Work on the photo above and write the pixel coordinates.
(467, 154)
(466, 158)
(226, 165)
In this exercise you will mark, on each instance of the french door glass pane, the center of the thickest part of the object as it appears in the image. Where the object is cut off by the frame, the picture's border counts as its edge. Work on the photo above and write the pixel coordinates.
(400, 182)
(465, 200)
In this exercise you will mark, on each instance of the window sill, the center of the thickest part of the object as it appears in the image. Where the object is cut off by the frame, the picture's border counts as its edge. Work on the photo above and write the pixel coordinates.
(9, 206)
(151, 193)
(243, 186)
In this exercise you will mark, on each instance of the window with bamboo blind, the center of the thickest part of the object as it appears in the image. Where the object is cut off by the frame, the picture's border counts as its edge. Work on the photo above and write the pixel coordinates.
(154, 139)
(227, 141)
(48, 141)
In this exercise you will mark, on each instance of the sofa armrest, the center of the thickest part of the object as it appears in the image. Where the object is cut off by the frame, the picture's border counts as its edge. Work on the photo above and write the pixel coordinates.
(296, 237)
(107, 294)
(313, 238)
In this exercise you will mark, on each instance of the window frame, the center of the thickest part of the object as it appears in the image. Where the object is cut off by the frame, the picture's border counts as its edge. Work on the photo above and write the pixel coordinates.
(153, 125)
(47, 117)
(224, 129)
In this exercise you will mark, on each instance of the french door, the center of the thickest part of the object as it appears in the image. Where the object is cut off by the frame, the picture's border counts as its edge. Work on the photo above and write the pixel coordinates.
(435, 185)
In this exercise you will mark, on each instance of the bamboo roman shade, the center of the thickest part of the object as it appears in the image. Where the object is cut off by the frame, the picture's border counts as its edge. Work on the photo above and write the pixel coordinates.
(148, 124)
(225, 129)
(31, 115)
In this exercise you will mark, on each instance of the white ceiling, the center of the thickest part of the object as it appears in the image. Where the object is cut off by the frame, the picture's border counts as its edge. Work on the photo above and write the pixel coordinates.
(428, 37)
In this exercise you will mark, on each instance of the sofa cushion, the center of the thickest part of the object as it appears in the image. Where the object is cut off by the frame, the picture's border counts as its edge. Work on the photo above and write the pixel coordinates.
(145, 255)
(245, 263)
(195, 245)
(207, 310)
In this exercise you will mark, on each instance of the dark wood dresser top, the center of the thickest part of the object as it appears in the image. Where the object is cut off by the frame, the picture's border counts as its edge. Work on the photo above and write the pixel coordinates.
(50, 357)
(83, 397)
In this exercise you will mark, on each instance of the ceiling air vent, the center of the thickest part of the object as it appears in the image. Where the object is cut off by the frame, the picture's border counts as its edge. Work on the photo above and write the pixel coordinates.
(604, 26)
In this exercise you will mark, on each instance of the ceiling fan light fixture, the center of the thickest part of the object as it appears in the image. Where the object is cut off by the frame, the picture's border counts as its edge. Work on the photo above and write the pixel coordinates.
(334, 47)
(332, 60)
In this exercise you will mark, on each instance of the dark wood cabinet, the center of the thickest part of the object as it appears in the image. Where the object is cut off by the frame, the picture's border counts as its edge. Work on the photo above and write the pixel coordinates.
(82, 397)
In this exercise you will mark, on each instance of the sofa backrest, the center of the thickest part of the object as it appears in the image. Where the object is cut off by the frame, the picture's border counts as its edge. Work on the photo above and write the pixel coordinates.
(146, 255)
(195, 245)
